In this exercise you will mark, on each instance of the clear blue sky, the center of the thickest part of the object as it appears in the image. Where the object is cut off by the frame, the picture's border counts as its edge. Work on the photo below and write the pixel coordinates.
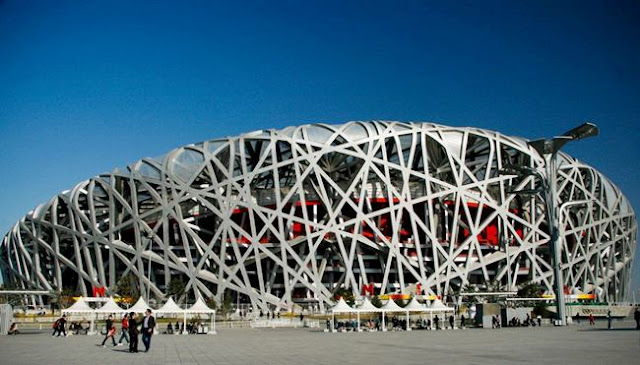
(86, 86)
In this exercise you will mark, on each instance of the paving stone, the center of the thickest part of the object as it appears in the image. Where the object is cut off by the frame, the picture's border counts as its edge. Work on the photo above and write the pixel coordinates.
(547, 345)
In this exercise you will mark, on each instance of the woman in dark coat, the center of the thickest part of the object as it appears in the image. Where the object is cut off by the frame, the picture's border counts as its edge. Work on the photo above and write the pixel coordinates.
(133, 333)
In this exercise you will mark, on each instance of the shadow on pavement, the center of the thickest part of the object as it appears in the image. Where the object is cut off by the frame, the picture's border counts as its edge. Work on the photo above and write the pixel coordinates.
(605, 330)
(23, 333)
(126, 351)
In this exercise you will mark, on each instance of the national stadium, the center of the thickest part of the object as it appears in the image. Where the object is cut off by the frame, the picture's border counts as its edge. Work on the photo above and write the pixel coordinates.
(293, 216)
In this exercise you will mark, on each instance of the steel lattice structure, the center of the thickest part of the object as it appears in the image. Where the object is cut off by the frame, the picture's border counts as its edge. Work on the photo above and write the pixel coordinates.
(296, 214)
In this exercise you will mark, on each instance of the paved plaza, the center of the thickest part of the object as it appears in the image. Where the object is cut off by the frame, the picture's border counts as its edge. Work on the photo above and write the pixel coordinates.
(546, 345)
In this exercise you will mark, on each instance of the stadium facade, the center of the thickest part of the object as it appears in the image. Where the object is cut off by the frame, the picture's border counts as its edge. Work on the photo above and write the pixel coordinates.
(294, 215)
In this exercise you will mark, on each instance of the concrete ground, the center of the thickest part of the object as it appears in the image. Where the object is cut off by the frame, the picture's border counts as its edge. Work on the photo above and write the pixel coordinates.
(547, 345)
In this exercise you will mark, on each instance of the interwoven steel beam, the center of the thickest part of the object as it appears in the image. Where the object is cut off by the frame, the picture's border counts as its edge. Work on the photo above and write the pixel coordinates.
(293, 215)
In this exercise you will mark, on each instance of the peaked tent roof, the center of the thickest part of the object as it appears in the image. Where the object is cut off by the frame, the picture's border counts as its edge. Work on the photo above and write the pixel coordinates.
(80, 306)
(415, 306)
(341, 307)
(367, 306)
(391, 306)
(140, 306)
(110, 307)
(199, 307)
(170, 307)
(437, 305)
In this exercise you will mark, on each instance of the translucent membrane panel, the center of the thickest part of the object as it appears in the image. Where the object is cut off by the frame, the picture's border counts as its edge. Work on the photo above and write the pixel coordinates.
(609, 192)
(146, 169)
(187, 163)
(453, 141)
(401, 127)
(355, 132)
(291, 132)
(319, 134)
(214, 146)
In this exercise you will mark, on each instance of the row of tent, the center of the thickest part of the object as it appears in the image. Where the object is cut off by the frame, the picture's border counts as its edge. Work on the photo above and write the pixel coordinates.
(110, 306)
(390, 306)
(80, 307)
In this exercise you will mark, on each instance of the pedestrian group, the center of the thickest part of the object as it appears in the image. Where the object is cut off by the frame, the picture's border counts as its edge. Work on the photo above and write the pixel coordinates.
(130, 329)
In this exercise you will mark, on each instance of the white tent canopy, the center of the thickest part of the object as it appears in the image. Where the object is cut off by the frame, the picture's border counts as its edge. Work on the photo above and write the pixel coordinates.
(139, 307)
(415, 306)
(79, 307)
(367, 306)
(391, 306)
(438, 306)
(200, 307)
(341, 307)
(170, 307)
(110, 307)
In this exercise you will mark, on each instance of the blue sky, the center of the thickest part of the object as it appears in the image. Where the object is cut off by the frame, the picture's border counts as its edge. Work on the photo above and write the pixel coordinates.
(92, 85)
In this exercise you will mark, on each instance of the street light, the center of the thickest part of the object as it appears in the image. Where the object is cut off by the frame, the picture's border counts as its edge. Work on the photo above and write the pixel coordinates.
(548, 149)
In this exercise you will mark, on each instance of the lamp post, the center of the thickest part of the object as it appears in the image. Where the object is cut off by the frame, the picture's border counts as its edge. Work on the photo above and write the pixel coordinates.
(548, 149)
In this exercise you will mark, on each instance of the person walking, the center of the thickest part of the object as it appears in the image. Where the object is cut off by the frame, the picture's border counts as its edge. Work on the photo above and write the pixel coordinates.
(539, 320)
(125, 329)
(451, 321)
(636, 316)
(111, 332)
(592, 319)
(148, 323)
(463, 322)
(436, 321)
(59, 326)
(133, 333)
(609, 319)
(55, 327)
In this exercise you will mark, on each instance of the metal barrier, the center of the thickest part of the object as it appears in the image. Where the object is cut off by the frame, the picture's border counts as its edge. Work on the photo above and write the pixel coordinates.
(285, 323)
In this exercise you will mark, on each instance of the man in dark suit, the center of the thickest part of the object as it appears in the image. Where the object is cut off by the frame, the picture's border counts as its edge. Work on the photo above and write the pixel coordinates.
(148, 324)
(133, 332)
